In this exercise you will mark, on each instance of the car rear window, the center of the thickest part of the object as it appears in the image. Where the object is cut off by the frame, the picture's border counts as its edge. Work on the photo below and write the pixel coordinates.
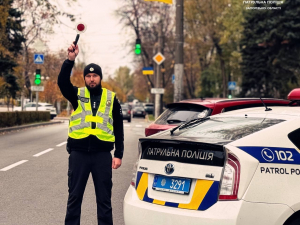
(149, 105)
(294, 137)
(228, 128)
(179, 114)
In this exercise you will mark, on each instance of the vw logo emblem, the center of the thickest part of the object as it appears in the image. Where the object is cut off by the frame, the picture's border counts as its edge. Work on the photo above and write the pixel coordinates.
(169, 168)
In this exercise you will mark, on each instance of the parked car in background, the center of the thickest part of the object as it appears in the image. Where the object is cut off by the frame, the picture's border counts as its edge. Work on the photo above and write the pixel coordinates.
(186, 110)
(128, 105)
(42, 106)
(126, 112)
(138, 111)
(149, 108)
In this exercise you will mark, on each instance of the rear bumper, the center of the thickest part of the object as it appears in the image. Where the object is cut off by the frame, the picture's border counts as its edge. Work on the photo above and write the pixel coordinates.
(139, 115)
(137, 212)
(126, 117)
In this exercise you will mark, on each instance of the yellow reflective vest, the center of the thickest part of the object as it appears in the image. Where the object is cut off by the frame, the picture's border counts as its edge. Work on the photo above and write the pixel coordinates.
(80, 125)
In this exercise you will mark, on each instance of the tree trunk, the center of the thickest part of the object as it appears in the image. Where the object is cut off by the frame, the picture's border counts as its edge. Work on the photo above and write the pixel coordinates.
(222, 64)
(27, 79)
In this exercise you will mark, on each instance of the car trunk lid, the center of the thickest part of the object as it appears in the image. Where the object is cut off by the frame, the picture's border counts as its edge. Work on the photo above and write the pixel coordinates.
(181, 174)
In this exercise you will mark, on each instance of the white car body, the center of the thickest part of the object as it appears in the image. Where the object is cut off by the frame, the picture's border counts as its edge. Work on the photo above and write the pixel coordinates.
(42, 106)
(266, 175)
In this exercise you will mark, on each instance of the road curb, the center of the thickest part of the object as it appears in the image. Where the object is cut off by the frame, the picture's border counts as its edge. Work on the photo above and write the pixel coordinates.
(29, 126)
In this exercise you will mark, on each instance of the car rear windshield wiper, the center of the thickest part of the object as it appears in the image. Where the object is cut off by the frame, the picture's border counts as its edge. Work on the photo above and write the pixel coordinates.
(189, 123)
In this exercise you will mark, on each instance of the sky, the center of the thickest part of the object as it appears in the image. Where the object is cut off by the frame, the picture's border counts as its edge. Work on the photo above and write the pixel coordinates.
(104, 41)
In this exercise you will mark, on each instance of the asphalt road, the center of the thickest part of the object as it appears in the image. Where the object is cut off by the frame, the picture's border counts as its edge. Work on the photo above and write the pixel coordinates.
(33, 176)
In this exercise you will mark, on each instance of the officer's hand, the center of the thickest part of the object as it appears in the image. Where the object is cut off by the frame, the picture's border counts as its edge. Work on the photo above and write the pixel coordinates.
(73, 52)
(116, 163)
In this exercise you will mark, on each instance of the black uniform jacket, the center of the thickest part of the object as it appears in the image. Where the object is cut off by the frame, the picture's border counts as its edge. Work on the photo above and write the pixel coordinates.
(91, 143)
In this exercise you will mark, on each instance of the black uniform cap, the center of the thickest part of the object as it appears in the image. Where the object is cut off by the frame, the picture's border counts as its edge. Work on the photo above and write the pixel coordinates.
(92, 68)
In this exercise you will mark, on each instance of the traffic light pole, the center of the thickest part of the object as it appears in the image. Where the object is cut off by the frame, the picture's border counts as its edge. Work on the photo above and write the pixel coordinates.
(158, 75)
(178, 68)
(37, 100)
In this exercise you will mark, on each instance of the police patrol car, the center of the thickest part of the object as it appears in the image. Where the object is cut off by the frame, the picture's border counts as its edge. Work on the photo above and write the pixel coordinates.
(236, 168)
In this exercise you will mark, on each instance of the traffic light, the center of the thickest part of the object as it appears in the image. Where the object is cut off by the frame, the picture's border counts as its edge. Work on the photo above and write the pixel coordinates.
(37, 79)
(138, 47)
(230, 94)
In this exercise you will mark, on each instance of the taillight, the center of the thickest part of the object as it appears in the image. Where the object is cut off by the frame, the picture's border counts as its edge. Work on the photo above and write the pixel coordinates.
(128, 112)
(135, 166)
(231, 179)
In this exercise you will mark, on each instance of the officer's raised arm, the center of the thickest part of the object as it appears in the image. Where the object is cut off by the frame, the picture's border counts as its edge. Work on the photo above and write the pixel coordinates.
(64, 83)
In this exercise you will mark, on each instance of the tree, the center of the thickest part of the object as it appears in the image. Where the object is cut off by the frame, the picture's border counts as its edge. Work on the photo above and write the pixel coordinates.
(10, 46)
(10, 88)
(38, 16)
(147, 20)
(204, 24)
(125, 81)
(10, 36)
(270, 51)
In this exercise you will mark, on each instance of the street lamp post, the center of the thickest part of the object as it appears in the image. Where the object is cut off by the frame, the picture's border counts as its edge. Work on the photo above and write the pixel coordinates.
(178, 69)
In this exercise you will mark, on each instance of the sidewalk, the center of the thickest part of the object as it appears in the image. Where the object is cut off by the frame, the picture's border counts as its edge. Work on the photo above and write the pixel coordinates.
(61, 118)
(4, 109)
(54, 121)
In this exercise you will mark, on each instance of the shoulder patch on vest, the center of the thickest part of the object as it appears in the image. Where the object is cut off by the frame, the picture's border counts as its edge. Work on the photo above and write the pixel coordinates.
(85, 100)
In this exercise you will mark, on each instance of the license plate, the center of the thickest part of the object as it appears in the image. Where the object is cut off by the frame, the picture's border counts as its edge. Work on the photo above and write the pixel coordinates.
(172, 184)
(139, 112)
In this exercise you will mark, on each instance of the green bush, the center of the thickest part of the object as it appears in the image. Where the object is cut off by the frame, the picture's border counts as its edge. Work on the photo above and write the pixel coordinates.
(9, 119)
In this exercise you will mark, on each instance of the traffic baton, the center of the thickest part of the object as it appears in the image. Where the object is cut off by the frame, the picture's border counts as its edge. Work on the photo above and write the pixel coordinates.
(80, 28)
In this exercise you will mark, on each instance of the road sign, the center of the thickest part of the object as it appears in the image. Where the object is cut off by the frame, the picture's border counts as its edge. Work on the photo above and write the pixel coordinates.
(148, 71)
(231, 85)
(173, 78)
(39, 46)
(38, 58)
(164, 1)
(37, 88)
(157, 90)
(159, 58)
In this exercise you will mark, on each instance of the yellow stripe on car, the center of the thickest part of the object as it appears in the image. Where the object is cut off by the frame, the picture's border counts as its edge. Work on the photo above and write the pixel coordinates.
(201, 189)
(143, 185)
(159, 202)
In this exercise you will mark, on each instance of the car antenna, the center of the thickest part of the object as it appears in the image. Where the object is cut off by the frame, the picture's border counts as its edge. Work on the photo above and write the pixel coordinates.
(267, 109)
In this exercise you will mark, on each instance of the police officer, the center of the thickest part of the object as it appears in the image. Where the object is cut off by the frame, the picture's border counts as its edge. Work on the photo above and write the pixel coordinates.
(95, 126)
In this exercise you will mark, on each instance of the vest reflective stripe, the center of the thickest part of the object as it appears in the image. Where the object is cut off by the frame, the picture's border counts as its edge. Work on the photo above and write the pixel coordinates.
(104, 112)
(85, 110)
(80, 125)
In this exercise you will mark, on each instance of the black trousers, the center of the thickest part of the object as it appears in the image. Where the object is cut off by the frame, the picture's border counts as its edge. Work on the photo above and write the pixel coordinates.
(81, 164)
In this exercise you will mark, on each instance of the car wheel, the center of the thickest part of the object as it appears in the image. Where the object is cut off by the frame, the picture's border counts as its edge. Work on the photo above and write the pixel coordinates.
(129, 120)
(295, 221)
(52, 117)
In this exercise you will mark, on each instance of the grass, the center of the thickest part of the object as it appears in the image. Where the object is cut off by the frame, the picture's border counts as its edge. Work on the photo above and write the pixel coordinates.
(151, 117)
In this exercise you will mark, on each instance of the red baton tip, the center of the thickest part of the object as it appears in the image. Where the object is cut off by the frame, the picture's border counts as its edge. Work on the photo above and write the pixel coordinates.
(80, 27)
